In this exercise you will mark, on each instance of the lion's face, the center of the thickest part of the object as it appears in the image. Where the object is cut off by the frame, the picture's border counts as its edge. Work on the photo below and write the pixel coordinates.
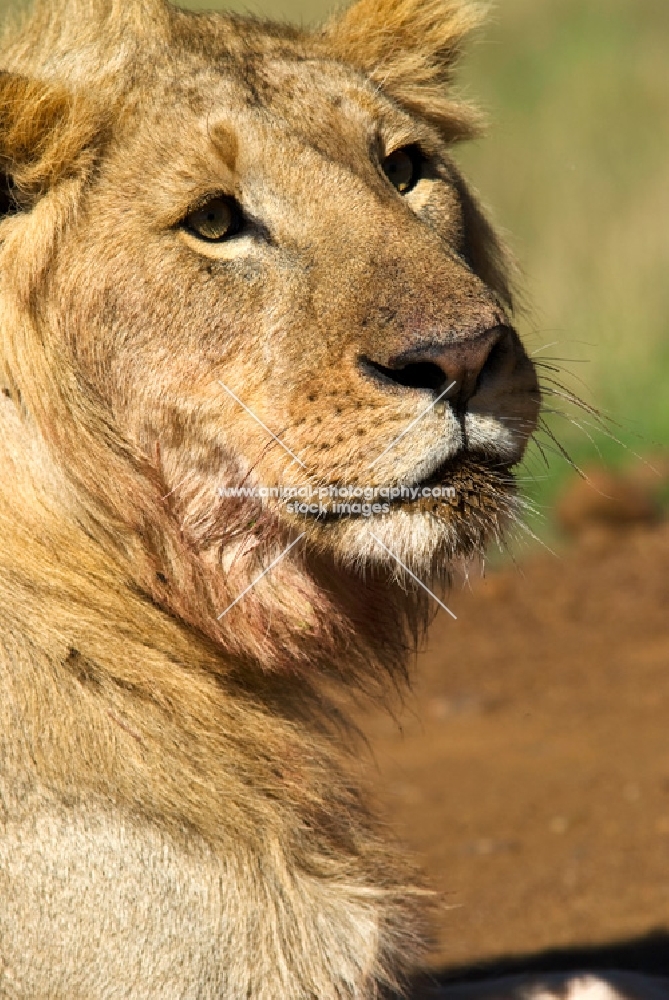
(291, 255)
(277, 278)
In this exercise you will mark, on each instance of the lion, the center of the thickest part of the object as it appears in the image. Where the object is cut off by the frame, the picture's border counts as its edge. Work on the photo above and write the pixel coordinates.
(234, 254)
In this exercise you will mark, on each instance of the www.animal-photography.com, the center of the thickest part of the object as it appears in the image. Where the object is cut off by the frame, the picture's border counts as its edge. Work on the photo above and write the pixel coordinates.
(334, 454)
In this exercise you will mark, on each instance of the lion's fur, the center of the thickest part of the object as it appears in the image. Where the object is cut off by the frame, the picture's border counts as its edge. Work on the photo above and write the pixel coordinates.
(203, 755)
(382, 43)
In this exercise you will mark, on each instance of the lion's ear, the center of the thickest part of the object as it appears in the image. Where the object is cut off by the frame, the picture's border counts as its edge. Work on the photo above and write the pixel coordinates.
(45, 133)
(410, 48)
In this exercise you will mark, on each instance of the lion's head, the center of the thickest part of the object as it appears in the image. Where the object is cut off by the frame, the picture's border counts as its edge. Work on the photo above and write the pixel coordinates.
(241, 255)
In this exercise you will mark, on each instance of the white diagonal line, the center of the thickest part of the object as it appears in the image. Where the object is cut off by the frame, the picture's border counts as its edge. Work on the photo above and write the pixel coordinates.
(407, 429)
(413, 576)
(554, 343)
(259, 578)
(259, 421)
(178, 485)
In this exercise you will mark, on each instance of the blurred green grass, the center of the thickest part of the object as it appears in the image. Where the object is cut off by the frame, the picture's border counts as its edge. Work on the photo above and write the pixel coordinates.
(575, 168)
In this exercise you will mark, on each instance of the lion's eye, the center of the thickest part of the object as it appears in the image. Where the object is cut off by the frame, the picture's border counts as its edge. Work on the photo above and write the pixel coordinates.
(402, 168)
(216, 220)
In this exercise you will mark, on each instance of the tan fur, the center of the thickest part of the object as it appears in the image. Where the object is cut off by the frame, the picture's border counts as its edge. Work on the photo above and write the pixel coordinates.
(176, 813)
(410, 49)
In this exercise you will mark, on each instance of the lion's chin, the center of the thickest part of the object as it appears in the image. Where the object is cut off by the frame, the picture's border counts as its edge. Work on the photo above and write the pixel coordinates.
(424, 537)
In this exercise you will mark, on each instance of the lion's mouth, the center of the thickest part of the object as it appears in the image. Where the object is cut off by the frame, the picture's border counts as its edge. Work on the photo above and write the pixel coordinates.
(456, 488)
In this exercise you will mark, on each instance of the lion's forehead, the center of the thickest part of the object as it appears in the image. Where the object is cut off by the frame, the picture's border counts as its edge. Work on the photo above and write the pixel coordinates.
(256, 64)
(263, 121)
(304, 95)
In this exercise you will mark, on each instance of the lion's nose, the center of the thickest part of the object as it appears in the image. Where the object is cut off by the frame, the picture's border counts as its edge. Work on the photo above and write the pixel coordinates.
(453, 370)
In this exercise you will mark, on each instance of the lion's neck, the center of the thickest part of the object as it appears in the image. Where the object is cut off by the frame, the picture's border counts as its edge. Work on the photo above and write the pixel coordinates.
(133, 665)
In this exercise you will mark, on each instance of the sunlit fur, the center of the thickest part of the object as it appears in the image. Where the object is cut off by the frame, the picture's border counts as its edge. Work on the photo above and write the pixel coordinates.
(186, 770)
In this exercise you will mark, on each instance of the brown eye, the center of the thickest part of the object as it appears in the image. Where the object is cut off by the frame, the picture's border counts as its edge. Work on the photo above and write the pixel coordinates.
(214, 221)
(402, 168)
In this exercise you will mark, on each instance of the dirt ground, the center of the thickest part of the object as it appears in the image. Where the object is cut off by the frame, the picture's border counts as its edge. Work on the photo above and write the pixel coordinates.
(531, 771)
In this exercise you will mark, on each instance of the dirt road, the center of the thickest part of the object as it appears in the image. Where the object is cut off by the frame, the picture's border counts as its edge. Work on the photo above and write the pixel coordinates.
(531, 774)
